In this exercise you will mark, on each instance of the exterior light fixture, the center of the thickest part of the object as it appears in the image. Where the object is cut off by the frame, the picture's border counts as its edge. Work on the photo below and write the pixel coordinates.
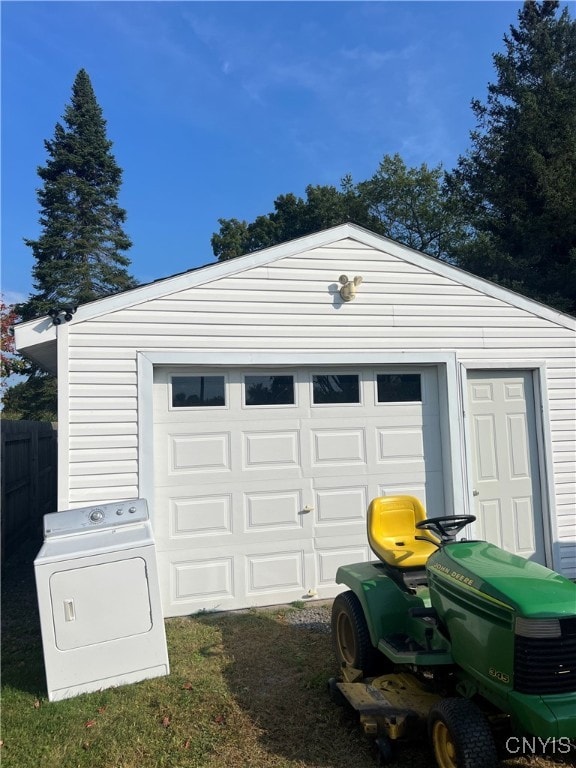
(348, 290)
(61, 313)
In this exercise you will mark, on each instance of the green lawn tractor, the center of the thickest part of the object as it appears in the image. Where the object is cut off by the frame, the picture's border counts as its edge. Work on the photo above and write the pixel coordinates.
(458, 639)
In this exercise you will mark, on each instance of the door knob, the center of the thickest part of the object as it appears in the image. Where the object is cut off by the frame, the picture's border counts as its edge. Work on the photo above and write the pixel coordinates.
(475, 492)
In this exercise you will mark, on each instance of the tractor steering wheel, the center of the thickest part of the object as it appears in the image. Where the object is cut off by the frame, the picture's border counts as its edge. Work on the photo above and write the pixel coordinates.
(446, 527)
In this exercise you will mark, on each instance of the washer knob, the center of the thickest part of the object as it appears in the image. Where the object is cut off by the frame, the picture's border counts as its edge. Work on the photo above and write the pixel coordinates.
(132, 510)
(96, 515)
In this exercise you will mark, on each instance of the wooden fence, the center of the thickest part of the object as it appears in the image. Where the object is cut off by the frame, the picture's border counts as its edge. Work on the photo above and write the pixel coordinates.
(29, 475)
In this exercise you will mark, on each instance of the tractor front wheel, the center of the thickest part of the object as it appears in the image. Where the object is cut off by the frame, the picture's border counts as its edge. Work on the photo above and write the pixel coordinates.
(350, 635)
(461, 736)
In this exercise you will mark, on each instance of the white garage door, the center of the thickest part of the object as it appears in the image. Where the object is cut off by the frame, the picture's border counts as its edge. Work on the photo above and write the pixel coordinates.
(263, 477)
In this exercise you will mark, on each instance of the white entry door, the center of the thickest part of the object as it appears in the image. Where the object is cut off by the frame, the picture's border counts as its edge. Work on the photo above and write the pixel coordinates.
(506, 476)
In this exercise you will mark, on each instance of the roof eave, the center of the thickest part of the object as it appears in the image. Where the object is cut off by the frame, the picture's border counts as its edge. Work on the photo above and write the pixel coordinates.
(37, 340)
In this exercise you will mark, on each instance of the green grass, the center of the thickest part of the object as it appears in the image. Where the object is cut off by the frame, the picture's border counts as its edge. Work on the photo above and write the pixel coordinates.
(246, 690)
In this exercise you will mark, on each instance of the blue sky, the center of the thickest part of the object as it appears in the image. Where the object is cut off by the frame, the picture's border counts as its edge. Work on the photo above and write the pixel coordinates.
(216, 108)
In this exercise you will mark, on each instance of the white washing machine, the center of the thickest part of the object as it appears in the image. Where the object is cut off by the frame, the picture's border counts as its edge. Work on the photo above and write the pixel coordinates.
(99, 599)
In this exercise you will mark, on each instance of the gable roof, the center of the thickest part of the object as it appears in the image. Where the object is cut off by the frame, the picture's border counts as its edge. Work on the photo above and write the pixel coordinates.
(41, 331)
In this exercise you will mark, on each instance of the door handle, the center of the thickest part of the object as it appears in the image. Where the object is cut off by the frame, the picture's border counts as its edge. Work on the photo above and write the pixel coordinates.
(69, 611)
(308, 508)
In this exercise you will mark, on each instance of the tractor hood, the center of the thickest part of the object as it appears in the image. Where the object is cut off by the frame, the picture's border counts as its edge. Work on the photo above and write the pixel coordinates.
(529, 589)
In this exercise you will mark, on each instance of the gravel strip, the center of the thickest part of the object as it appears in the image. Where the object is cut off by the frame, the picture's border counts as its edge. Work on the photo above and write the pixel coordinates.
(314, 617)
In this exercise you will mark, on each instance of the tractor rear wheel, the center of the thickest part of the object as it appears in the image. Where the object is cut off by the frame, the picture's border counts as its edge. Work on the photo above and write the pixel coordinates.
(351, 638)
(461, 736)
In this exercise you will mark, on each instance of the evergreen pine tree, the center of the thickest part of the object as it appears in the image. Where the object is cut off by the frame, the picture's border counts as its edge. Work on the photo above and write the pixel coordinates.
(518, 181)
(79, 254)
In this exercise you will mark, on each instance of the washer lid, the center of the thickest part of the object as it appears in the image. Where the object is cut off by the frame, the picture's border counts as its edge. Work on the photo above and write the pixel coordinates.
(96, 517)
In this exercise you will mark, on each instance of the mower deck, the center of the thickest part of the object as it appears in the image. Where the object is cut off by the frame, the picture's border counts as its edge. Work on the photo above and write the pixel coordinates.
(392, 704)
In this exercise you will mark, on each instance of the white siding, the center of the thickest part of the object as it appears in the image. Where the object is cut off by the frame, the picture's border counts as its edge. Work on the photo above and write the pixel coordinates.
(293, 305)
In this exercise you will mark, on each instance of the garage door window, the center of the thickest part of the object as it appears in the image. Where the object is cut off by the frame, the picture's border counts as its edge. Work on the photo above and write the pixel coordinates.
(328, 389)
(198, 391)
(269, 390)
(399, 387)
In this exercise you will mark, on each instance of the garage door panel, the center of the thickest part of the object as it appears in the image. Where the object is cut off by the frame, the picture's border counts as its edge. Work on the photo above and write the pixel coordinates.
(330, 448)
(193, 454)
(259, 505)
(206, 516)
(195, 581)
(275, 572)
(262, 450)
(399, 444)
(286, 569)
(332, 552)
(337, 446)
(256, 574)
(271, 449)
(246, 512)
(274, 511)
(339, 506)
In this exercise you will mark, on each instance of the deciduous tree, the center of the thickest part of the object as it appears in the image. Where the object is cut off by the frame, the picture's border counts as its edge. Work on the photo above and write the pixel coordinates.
(411, 206)
(406, 204)
(324, 206)
(10, 361)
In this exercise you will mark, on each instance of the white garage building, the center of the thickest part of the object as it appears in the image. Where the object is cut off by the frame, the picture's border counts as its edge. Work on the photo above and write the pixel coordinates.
(259, 412)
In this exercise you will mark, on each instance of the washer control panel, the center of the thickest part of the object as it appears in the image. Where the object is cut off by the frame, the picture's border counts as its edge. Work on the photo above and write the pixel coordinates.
(99, 516)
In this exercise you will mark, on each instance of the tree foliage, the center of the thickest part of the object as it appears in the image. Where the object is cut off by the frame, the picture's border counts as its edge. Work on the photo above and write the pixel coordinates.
(324, 207)
(10, 361)
(34, 399)
(411, 206)
(517, 183)
(406, 204)
(508, 210)
(79, 253)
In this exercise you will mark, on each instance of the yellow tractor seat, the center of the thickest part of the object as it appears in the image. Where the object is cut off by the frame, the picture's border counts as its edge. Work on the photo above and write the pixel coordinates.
(392, 531)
